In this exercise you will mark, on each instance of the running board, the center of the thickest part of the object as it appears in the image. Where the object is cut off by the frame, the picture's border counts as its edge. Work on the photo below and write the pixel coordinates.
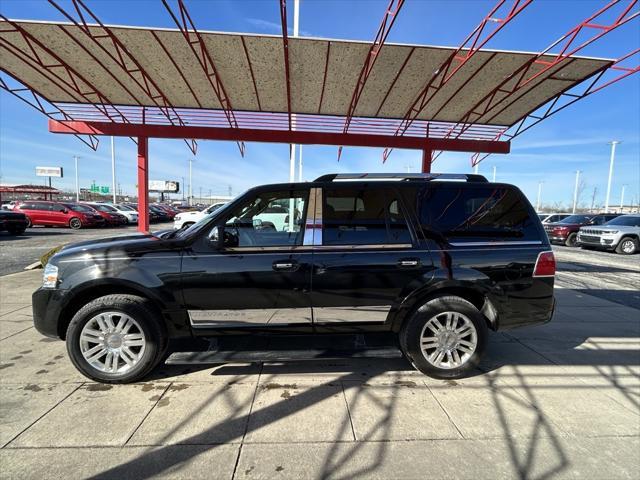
(252, 356)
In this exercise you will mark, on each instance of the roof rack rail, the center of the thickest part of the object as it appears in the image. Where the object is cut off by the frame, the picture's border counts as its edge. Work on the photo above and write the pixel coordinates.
(467, 177)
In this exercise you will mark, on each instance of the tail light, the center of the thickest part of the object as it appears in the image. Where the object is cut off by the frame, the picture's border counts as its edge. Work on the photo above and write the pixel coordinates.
(545, 265)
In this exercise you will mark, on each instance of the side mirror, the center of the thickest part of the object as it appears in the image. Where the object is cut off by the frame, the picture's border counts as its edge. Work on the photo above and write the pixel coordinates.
(216, 236)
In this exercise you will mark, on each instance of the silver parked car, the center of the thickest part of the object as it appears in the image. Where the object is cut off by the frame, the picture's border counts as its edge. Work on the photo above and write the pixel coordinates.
(621, 234)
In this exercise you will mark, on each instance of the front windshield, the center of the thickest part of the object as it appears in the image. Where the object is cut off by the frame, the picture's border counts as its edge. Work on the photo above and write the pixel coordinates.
(577, 219)
(79, 208)
(625, 221)
(126, 208)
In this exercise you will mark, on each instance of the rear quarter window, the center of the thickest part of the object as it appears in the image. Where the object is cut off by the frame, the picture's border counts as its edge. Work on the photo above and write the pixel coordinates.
(477, 213)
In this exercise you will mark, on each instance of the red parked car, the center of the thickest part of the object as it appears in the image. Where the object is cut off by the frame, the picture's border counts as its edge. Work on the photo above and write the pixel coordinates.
(56, 214)
(111, 216)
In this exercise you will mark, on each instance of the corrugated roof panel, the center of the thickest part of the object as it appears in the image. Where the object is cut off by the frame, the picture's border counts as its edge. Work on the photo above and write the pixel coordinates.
(307, 66)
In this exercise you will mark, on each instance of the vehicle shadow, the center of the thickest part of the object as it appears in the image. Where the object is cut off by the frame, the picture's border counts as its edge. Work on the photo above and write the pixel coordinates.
(527, 370)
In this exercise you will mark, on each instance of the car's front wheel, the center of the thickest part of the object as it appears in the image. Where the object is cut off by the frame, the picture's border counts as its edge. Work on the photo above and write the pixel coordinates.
(75, 223)
(445, 337)
(627, 246)
(571, 240)
(115, 339)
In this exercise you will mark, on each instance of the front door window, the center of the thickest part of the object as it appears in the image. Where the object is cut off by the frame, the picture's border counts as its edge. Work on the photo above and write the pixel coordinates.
(271, 219)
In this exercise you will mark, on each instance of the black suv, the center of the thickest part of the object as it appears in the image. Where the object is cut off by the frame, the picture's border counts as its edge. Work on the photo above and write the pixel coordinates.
(422, 264)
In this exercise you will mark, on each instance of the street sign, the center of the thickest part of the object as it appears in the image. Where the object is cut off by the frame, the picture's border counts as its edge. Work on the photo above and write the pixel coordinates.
(49, 172)
(102, 189)
(164, 186)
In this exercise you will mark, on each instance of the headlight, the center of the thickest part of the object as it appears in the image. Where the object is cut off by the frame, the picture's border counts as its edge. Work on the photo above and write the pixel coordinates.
(50, 276)
(610, 232)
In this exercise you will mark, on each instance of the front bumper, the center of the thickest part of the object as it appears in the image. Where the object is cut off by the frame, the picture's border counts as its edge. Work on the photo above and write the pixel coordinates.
(557, 238)
(597, 241)
(47, 307)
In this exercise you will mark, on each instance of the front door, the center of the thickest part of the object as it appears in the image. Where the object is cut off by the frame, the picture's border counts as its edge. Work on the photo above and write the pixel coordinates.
(365, 262)
(261, 276)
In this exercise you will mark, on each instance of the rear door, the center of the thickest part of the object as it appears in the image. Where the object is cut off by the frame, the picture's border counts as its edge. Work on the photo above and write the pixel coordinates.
(366, 260)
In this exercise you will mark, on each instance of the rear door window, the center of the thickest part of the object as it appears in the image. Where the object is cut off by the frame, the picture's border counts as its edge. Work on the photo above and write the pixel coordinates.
(363, 216)
(476, 213)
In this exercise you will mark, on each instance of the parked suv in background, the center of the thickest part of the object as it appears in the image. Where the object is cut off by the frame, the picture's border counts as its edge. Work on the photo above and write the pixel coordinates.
(566, 231)
(621, 234)
(399, 263)
(54, 214)
(111, 216)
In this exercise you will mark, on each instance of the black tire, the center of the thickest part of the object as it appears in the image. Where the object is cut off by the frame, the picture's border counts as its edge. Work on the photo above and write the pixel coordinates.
(142, 312)
(627, 246)
(29, 224)
(15, 231)
(410, 336)
(571, 240)
(75, 223)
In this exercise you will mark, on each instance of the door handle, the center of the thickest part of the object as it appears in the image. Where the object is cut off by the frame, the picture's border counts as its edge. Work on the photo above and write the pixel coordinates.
(409, 262)
(285, 265)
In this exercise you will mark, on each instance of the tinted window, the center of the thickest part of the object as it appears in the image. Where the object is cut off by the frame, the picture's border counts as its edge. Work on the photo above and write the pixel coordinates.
(363, 217)
(269, 219)
(577, 219)
(78, 208)
(480, 212)
(626, 220)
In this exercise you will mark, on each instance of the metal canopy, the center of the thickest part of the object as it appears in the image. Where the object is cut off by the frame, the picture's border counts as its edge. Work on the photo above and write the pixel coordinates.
(323, 73)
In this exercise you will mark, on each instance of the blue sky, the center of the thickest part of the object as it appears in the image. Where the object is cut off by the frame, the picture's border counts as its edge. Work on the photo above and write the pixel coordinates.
(551, 152)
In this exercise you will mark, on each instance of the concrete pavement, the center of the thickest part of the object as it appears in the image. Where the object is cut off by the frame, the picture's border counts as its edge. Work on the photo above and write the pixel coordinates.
(556, 401)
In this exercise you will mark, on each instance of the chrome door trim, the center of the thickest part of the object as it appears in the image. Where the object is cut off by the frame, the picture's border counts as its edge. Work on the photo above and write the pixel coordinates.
(496, 243)
(313, 224)
(362, 314)
(249, 317)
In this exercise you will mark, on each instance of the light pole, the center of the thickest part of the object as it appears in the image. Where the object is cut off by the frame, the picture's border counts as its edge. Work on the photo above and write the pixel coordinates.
(476, 168)
(622, 197)
(613, 155)
(539, 196)
(190, 184)
(575, 192)
(182, 188)
(113, 170)
(75, 159)
(494, 174)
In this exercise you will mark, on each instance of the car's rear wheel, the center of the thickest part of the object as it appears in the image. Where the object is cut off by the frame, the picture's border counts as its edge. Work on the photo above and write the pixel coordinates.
(75, 223)
(445, 337)
(627, 246)
(16, 230)
(115, 339)
(571, 240)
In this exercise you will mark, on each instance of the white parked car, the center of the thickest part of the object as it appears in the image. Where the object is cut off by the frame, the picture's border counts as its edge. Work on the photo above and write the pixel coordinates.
(186, 219)
(130, 213)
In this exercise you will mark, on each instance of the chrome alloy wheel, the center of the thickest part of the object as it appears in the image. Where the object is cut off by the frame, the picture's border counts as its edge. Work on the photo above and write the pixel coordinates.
(112, 342)
(448, 340)
(628, 246)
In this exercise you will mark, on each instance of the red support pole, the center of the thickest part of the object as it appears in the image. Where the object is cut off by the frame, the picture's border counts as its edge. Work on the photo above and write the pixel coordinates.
(143, 184)
(426, 161)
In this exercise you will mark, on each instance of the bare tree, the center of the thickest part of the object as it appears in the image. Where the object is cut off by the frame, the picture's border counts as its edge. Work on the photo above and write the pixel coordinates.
(593, 198)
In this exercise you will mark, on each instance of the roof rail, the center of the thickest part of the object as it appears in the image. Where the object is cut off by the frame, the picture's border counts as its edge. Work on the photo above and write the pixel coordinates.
(467, 177)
